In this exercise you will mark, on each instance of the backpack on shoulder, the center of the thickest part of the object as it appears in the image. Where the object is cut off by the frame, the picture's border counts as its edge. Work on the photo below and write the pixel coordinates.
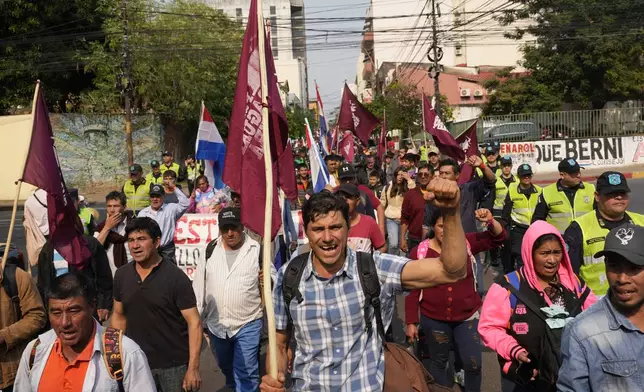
(15, 260)
(403, 371)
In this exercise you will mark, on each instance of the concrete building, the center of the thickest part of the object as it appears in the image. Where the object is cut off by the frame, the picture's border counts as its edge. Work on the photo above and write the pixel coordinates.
(285, 19)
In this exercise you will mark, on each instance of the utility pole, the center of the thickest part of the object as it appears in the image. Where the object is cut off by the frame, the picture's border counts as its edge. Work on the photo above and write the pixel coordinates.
(435, 55)
(126, 73)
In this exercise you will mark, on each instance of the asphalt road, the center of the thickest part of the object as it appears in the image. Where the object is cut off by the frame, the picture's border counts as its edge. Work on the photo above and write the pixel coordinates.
(213, 379)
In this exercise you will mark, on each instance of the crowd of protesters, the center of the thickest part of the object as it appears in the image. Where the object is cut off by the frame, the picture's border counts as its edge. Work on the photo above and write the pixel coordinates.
(565, 312)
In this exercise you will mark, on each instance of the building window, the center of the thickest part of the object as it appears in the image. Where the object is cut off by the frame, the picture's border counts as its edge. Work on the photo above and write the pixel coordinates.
(238, 14)
(273, 10)
(274, 29)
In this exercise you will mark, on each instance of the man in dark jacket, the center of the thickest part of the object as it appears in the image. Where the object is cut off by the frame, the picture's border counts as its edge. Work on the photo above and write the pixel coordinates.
(51, 264)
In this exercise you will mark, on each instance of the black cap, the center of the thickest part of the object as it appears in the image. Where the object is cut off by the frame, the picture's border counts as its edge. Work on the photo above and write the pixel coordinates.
(73, 192)
(612, 182)
(333, 157)
(569, 166)
(346, 171)
(230, 216)
(627, 241)
(155, 163)
(166, 153)
(136, 168)
(491, 150)
(524, 170)
(156, 189)
(349, 189)
(506, 160)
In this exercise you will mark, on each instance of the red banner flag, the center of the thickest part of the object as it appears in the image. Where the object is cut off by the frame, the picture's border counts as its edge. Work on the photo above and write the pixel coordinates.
(43, 170)
(356, 118)
(347, 147)
(244, 165)
(382, 142)
(442, 138)
(468, 141)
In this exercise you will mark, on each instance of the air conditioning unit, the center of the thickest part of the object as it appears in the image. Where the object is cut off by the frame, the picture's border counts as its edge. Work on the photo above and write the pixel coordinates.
(465, 92)
(458, 51)
(478, 93)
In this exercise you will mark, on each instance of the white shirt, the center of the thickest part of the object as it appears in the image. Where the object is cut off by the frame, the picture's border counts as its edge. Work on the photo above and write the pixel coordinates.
(119, 229)
(37, 205)
(137, 376)
(229, 298)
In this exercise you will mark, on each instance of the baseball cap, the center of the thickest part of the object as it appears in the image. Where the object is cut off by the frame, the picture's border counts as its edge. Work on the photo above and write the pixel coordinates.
(166, 153)
(524, 170)
(433, 150)
(230, 216)
(569, 166)
(612, 182)
(349, 189)
(627, 241)
(506, 160)
(154, 163)
(156, 189)
(490, 150)
(346, 171)
(136, 168)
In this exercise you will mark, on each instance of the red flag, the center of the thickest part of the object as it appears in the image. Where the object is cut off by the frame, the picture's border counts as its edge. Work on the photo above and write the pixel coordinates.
(244, 165)
(469, 143)
(347, 146)
(442, 138)
(356, 118)
(382, 143)
(43, 170)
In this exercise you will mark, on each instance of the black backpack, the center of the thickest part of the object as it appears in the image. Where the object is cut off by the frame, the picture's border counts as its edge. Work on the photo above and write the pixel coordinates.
(15, 260)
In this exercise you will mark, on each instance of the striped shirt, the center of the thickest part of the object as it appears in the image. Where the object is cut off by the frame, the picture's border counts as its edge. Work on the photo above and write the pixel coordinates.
(167, 216)
(229, 297)
(334, 352)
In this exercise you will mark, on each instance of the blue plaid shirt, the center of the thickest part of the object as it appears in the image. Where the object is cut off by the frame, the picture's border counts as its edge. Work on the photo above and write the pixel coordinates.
(334, 351)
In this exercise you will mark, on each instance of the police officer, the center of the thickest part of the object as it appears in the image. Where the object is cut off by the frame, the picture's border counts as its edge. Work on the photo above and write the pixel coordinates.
(567, 199)
(519, 205)
(169, 163)
(585, 236)
(155, 176)
(503, 183)
(85, 214)
(193, 170)
(137, 189)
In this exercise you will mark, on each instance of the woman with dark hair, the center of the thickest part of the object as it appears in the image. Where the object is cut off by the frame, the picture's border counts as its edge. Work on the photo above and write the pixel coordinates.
(449, 313)
(205, 199)
(392, 199)
(525, 311)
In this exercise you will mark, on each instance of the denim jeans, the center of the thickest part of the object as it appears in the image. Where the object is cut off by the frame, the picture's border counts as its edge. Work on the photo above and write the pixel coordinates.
(464, 336)
(238, 357)
(170, 379)
(393, 236)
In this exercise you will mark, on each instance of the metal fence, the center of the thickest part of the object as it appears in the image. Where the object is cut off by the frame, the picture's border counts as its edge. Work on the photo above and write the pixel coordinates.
(560, 125)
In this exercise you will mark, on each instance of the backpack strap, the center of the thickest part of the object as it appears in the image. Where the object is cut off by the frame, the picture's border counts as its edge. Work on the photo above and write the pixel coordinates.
(32, 355)
(210, 248)
(368, 274)
(10, 286)
(513, 279)
(112, 339)
(291, 281)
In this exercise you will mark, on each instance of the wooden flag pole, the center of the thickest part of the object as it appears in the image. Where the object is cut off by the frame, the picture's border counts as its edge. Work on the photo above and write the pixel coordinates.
(268, 217)
(18, 187)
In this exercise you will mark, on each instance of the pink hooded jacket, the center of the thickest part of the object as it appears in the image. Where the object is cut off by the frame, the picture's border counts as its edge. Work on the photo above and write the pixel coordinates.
(496, 310)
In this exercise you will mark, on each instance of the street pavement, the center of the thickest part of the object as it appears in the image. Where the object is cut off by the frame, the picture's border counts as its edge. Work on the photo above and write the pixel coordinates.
(213, 379)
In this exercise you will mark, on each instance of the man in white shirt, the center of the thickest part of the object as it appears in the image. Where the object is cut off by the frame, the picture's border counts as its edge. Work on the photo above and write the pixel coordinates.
(228, 291)
(111, 232)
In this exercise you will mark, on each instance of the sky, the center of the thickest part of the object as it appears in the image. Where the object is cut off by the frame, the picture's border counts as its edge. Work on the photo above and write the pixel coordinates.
(332, 59)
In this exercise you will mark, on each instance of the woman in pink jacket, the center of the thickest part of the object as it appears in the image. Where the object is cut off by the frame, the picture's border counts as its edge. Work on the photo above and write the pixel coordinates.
(524, 313)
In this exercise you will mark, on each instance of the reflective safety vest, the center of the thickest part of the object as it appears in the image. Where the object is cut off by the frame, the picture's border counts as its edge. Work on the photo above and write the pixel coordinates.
(501, 192)
(193, 173)
(522, 206)
(174, 167)
(85, 216)
(593, 271)
(137, 197)
(560, 212)
(151, 179)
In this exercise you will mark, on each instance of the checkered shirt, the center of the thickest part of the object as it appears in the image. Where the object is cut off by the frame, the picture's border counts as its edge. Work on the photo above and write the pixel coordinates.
(334, 350)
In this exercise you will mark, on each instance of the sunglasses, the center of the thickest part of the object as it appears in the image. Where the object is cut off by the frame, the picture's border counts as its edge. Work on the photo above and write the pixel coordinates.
(424, 174)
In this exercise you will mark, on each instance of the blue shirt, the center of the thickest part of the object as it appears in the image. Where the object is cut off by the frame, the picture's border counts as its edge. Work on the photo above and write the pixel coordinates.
(602, 351)
(167, 216)
(334, 352)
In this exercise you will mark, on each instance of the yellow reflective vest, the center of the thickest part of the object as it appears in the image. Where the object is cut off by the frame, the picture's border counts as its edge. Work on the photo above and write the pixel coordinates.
(151, 179)
(193, 173)
(85, 216)
(560, 212)
(593, 271)
(174, 167)
(501, 191)
(137, 197)
(523, 206)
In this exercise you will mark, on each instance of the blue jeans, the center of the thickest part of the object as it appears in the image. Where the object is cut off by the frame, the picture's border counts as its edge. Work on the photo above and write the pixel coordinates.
(238, 356)
(441, 335)
(393, 236)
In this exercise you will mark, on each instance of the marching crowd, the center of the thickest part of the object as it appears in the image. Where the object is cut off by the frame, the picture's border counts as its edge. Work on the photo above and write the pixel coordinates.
(564, 314)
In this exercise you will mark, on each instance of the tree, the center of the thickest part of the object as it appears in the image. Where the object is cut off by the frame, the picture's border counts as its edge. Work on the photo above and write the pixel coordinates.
(511, 95)
(588, 51)
(41, 39)
(180, 56)
(295, 116)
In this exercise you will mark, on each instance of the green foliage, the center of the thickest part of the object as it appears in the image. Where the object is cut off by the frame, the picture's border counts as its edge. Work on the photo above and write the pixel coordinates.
(295, 116)
(519, 95)
(41, 39)
(587, 51)
(179, 57)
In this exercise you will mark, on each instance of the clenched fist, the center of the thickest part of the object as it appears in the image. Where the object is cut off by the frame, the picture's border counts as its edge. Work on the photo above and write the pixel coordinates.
(483, 215)
(444, 194)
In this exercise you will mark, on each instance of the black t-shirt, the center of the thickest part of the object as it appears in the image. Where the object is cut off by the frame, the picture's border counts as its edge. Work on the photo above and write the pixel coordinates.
(153, 311)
